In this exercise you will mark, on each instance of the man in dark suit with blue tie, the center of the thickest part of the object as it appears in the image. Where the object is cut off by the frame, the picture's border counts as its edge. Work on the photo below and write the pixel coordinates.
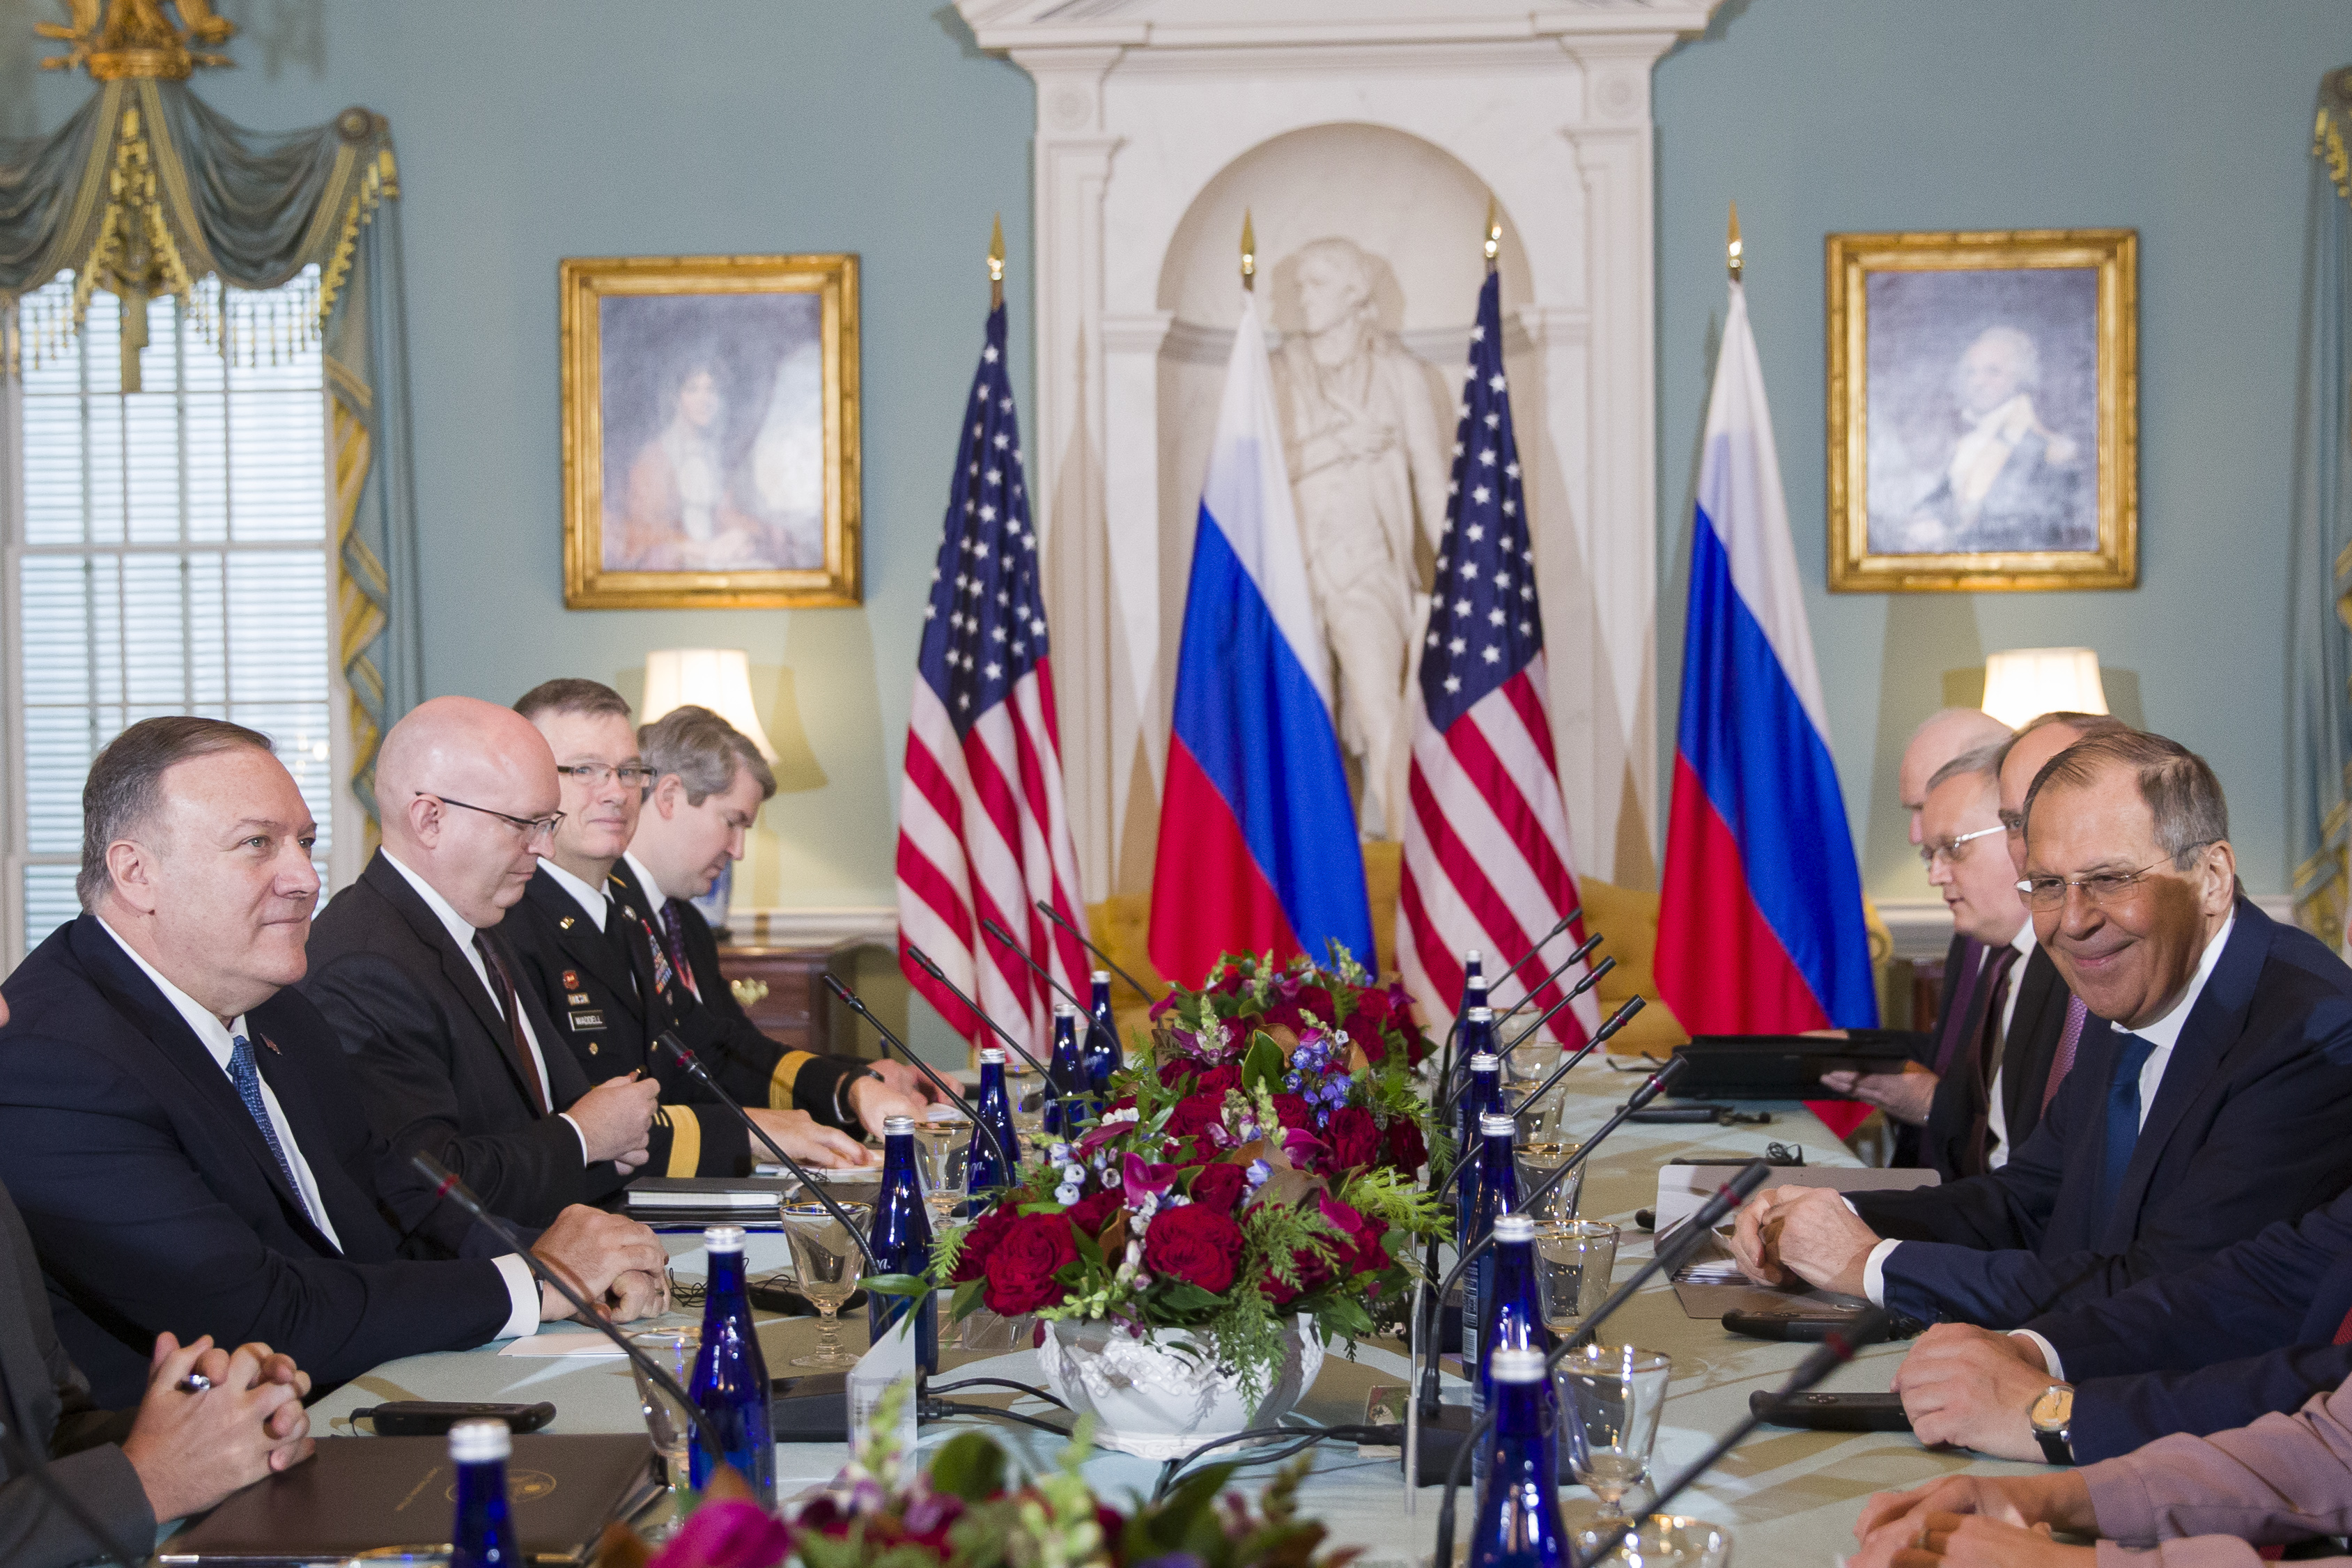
(2209, 1092)
(180, 1129)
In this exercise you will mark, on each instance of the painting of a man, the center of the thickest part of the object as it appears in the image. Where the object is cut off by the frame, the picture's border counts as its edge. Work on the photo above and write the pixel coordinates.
(1983, 404)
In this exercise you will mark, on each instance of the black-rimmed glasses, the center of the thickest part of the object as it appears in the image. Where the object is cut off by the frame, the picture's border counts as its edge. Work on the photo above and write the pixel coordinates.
(530, 827)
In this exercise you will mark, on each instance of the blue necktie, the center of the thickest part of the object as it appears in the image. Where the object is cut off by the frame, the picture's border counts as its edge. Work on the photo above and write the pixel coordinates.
(2123, 1114)
(248, 1079)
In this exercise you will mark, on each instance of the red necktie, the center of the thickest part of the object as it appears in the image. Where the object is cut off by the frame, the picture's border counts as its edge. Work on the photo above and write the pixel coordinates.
(2063, 1062)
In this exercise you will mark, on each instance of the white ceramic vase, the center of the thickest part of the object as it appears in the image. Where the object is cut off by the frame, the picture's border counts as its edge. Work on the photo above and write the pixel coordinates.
(1158, 1402)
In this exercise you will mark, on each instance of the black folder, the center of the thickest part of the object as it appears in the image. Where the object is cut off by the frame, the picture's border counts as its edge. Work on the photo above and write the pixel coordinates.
(1785, 1066)
(362, 1496)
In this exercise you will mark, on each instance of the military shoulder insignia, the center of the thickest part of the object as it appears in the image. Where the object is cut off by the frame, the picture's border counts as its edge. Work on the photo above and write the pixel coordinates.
(564, 923)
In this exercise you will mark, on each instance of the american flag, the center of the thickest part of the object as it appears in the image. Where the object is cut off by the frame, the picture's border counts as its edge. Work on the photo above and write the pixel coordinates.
(1486, 861)
(982, 830)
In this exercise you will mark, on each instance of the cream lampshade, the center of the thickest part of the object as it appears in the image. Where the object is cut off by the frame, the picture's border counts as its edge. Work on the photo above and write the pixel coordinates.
(2026, 682)
(716, 679)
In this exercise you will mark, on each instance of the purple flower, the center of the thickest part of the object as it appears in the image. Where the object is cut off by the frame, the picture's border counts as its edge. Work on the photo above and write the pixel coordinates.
(730, 1534)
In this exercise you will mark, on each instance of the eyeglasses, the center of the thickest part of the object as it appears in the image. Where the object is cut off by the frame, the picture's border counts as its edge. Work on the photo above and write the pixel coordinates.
(596, 775)
(530, 827)
(1949, 852)
(2048, 892)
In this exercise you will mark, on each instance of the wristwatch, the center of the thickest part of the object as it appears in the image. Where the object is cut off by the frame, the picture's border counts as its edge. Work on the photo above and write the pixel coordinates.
(2053, 1418)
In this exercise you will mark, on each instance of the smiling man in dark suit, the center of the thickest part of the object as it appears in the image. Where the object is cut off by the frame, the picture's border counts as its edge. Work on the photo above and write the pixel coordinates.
(2208, 1099)
(457, 1061)
(180, 1129)
(596, 963)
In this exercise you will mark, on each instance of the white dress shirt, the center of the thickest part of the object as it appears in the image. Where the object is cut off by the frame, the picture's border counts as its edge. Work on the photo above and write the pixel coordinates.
(591, 900)
(463, 934)
(2163, 1034)
(1996, 1118)
(218, 1038)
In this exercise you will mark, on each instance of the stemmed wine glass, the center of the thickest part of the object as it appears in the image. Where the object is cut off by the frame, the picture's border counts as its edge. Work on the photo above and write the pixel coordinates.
(1610, 1398)
(826, 1266)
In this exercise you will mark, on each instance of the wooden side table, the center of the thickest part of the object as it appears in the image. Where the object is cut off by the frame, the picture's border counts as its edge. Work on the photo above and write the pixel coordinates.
(782, 990)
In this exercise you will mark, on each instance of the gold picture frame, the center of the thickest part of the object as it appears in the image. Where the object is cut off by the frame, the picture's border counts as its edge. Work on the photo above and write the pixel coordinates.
(711, 432)
(2002, 372)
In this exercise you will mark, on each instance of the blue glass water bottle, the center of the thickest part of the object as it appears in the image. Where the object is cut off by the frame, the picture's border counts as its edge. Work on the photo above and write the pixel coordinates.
(1477, 1092)
(483, 1536)
(902, 1243)
(730, 1376)
(986, 1170)
(1518, 1507)
(1102, 1057)
(1514, 1319)
(1473, 995)
(1066, 1076)
(1499, 1193)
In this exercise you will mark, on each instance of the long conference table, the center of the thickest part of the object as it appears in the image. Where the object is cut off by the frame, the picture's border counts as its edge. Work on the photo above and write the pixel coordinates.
(1786, 1497)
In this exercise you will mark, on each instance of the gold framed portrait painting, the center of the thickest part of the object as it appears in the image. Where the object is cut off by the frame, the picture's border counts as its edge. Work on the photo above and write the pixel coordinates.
(1983, 409)
(711, 432)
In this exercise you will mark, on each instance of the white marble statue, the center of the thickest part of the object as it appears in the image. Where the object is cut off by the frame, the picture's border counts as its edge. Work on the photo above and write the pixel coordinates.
(1368, 468)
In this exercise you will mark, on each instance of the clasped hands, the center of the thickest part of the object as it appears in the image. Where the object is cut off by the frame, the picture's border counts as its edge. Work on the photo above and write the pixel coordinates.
(1978, 1522)
(1807, 1231)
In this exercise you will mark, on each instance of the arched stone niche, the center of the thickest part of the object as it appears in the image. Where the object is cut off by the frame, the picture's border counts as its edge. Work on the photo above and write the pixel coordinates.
(1389, 124)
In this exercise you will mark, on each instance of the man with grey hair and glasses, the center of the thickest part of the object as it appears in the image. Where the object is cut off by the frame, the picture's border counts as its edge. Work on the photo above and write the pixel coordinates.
(2208, 1095)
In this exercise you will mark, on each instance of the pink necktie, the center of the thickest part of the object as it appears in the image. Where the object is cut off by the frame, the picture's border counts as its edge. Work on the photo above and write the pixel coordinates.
(2063, 1061)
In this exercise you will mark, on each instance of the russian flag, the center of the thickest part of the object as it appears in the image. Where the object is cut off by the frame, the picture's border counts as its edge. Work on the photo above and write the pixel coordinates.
(1258, 834)
(1760, 928)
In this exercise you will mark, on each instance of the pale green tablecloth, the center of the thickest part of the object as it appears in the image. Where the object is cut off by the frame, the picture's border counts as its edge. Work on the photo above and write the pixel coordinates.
(1789, 1497)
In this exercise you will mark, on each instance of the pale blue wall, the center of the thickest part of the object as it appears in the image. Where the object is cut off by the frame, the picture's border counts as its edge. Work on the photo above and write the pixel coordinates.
(2187, 119)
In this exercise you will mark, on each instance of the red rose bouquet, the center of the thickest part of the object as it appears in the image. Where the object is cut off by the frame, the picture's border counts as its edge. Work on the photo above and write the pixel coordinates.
(1256, 1164)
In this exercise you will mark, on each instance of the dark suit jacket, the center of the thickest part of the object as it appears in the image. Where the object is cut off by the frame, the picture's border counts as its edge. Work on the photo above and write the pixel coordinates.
(157, 1205)
(435, 1055)
(599, 989)
(1953, 1143)
(2247, 1127)
(750, 1066)
(2247, 1332)
(47, 1404)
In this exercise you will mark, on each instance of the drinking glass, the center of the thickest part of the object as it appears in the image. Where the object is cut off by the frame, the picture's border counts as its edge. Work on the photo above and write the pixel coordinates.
(1670, 1538)
(1537, 1161)
(1609, 1399)
(1576, 1257)
(1026, 1091)
(945, 1148)
(666, 1421)
(826, 1265)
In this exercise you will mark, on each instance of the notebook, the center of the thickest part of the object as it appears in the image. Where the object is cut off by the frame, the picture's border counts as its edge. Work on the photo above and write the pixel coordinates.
(387, 1496)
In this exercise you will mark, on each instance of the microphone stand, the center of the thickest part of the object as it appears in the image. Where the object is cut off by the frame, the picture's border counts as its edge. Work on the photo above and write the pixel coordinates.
(1650, 1089)
(936, 973)
(1583, 947)
(1835, 1350)
(1730, 1196)
(1609, 1027)
(832, 983)
(1004, 939)
(667, 1040)
(1447, 1090)
(1054, 914)
(24, 1458)
(447, 1184)
(1446, 1051)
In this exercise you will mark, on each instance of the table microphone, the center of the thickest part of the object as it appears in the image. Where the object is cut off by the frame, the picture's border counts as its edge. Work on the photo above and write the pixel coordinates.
(935, 972)
(1583, 948)
(1869, 1326)
(446, 1184)
(1056, 915)
(1004, 939)
(1445, 1052)
(1669, 1256)
(667, 1040)
(1447, 1089)
(1609, 1027)
(1650, 1089)
(833, 984)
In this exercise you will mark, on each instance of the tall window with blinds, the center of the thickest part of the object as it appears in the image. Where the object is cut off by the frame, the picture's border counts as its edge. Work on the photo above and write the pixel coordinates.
(167, 552)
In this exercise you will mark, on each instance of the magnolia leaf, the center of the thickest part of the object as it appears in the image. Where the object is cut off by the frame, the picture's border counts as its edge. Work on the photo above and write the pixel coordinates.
(620, 1547)
(1114, 1236)
(1262, 1067)
(1284, 1184)
(1088, 1248)
(969, 1466)
(897, 1284)
(1188, 1298)
(1356, 1060)
(966, 1298)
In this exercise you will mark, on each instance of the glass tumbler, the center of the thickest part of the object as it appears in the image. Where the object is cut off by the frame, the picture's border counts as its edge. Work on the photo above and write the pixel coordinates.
(1610, 1396)
(1576, 1258)
(666, 1421)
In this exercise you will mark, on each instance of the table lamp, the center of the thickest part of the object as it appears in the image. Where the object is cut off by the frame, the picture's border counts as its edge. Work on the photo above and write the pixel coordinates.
(716, 679)
(2026, 682)
(721, 680)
